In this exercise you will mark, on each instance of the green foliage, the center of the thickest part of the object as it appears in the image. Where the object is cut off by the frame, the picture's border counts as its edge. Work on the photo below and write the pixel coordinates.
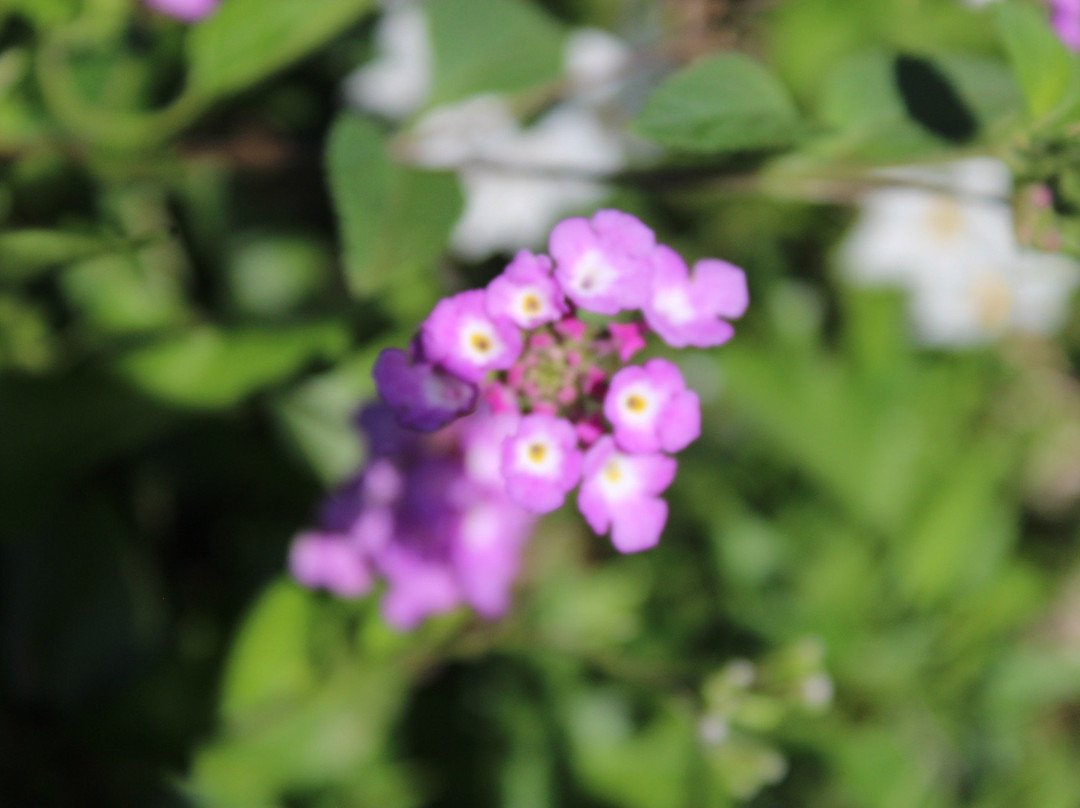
(1048, 74)
(722, 104)
(248, 40)
(867, 592)
(394, 221)
(521, 47)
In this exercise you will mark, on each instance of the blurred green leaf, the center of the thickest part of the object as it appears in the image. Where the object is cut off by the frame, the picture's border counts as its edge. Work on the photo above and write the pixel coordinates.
(881, 114)
(211, 368)
(394, 221)
(268, 662)
(340, 728)
(722, 104)
(25, 253)
(245, 41)
(1048, 73)
(491, 46)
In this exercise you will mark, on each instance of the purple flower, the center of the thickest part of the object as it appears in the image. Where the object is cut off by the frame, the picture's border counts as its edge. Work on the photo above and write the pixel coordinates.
(621, 492)
(329, 561)
(651, 409)
(603, 264)
(429, 515)
(687, 312)
(186, 10)
(1065, 17)
(422, 396)
(541, 462)
(462, 337)
(526, 293)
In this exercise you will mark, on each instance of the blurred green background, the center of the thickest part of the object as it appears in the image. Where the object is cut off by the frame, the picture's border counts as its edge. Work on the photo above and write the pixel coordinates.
(869, 592)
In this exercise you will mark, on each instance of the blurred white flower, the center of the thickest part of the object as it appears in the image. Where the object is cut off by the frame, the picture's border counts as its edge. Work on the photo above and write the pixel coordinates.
(817, 691)
(518, 181)
(396, 83)
(593, 62)
(947, 238)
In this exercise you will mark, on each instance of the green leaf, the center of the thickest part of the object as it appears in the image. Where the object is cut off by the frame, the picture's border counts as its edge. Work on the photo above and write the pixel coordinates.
(1047, 72)
(24, 253)
(394, 221)
(723, 104)
(491, 46)
(247, 40)
(958, 99)
(209, 368)
(269, 660)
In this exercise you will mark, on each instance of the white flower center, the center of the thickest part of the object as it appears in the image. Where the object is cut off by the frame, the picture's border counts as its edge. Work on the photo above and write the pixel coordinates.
(592, 274)
(617, 479)
(479, 342)
(537, 455)
(638, 405)
(530, 303)
(945, 220)
(993, 301)
(675, 305)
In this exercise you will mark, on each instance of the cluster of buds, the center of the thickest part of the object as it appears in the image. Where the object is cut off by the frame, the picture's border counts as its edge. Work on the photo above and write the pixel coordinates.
(541, 350)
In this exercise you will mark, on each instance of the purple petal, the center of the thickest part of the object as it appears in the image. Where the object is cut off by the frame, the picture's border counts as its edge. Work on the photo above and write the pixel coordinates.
(422, 396)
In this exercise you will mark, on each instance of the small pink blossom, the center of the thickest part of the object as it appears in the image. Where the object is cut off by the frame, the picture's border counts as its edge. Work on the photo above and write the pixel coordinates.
(541, 462)
(620, 493)
(603, 263)
(687, 312)
(526, 293)
(462, 337)
(651, 409)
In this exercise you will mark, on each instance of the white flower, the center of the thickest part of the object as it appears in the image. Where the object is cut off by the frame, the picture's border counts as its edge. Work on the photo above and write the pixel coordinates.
(526, 182)
(397, 82)
(948, 239)
(593, 62)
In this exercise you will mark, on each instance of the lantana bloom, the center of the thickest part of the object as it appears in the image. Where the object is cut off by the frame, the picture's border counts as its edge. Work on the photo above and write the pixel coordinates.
(558, 404)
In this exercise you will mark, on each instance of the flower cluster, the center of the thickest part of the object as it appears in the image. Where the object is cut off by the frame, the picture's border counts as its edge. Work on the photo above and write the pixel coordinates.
(571, 411)
(428, 514)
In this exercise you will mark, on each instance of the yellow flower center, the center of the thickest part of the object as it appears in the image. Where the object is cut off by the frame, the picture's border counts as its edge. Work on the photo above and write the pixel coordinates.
(537, 452)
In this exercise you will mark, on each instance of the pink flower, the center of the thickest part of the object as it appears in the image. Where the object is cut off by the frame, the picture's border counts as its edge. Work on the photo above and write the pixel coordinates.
(462, 337)
(651, 409)
(687, 312)
(422, 396)
(602, 263)
(1065, 17)
(323, 560)
(541, 462)
(526, 293)
(186, 10)
(620, 492)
